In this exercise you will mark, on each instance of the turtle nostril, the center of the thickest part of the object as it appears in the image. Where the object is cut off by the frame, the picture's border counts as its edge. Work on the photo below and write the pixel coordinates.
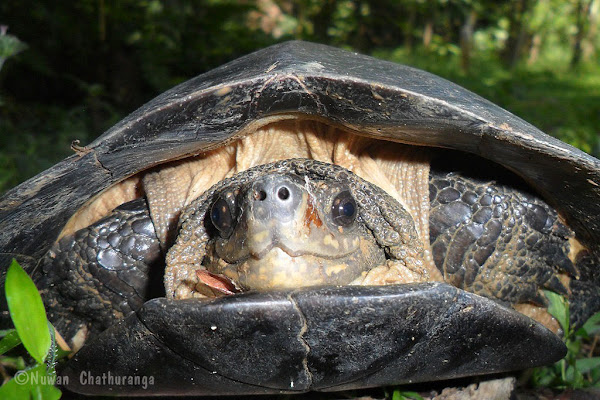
(260, 195)
(283, 193)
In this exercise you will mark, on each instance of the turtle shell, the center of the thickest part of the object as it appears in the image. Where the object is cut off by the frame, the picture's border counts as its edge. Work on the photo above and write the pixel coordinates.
(378, 99)
(383, 99)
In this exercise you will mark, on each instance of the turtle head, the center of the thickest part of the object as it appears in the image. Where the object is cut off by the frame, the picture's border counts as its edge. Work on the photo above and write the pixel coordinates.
(285, 230)
(289, 224)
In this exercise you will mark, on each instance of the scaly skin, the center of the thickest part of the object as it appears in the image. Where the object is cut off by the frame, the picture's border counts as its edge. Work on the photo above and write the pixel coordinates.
(495, 241)
(491, 236)
(102, 272)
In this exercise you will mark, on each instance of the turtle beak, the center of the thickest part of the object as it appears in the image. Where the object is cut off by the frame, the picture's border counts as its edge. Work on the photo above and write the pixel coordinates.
(275, 197)
(272, 214)
(275, 208)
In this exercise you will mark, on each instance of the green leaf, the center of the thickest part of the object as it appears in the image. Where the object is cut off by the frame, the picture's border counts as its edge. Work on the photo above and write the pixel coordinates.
(592, 325)
(35, 383)
(574, 377)
(559, 309)
(10, 46)
(9, 341)
(27, 312)
(15, 363)
(543, 377)
(595, 377)
(405, 395)
(587, 364)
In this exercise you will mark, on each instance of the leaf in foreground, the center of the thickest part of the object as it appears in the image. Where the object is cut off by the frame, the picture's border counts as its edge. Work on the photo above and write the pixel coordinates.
(559, 309)
(27, 312)
(35, 383)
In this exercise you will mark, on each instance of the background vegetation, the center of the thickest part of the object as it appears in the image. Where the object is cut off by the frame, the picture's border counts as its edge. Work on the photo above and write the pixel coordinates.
(69, 70)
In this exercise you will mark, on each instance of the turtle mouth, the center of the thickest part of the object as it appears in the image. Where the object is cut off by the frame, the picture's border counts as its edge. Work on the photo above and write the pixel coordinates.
(277, 269)
(262, 253)
(256, 245)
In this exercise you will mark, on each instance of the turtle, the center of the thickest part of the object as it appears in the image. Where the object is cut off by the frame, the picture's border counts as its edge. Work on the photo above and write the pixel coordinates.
(306, 218)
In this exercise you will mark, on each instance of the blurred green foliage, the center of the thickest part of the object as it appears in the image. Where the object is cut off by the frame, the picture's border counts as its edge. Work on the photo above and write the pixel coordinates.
(9, 45)
(89, 63)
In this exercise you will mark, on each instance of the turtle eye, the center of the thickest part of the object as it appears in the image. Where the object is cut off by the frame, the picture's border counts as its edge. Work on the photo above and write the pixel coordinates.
(343, 209)
(222, 217)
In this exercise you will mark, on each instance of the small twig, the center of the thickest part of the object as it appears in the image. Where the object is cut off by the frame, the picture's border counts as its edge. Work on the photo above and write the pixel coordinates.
(79, 150)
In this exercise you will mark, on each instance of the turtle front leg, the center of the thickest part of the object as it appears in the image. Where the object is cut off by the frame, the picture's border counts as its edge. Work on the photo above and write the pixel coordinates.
(496, 240)
(102, 272)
